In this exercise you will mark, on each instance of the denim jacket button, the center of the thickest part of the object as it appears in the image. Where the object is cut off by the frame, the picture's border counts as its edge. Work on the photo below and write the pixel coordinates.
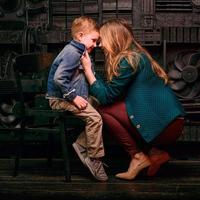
(131, 117)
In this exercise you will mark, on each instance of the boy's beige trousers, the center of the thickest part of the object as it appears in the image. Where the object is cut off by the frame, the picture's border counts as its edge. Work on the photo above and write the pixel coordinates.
(91, 137)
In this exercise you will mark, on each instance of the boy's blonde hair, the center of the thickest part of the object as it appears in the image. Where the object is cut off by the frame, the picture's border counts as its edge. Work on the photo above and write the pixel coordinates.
(83, 24)
(117, 39)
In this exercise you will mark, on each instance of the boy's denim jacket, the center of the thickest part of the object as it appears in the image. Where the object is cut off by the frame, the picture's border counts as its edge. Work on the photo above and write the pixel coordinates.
(66, 78)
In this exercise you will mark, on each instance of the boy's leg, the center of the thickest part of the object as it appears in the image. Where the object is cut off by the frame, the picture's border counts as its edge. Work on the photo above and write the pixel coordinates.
(93, 141)
(58, 104)
(93, 127)
(93, 132)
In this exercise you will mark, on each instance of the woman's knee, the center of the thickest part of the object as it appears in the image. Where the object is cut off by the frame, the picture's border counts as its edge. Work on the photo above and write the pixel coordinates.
(171, 134)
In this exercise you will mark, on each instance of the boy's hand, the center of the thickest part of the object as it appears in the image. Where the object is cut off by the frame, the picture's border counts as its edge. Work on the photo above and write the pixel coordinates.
(86, 62)
(80, 102)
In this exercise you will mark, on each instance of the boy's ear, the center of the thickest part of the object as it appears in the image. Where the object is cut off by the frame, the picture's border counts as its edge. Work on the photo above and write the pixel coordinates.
(80, 35)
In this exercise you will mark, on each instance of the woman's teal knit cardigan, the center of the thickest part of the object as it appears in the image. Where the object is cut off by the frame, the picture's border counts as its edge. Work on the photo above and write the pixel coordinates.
(151, 105)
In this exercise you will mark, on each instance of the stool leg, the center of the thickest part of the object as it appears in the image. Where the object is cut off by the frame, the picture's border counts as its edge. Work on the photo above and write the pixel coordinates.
(65, 151)
(50, 149)
(18, 152)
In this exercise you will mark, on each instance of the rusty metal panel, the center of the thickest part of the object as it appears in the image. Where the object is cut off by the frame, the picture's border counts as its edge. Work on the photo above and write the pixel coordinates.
(190, 133)
(167, 25)
(74, 7)
(148, 37)
(173, 6)
(90, 7)
(113, 5)
(181, 34)
(194, 35)
(148, 9)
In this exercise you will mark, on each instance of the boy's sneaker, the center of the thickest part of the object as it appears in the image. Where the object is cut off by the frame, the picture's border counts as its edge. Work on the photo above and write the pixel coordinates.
(96, 168)
(81, 152)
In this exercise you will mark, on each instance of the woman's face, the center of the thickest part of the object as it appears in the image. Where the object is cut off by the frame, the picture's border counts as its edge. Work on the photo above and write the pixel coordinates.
(102, 43)
(107, 38)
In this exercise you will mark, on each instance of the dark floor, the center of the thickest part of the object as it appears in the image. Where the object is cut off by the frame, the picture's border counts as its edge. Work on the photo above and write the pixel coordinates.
(179, 179)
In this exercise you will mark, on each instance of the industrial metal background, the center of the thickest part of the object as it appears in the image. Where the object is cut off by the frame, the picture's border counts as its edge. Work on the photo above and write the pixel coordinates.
(169, 29)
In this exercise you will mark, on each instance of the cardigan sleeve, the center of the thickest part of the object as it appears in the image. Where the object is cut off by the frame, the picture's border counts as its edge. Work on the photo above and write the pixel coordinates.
(107, 92)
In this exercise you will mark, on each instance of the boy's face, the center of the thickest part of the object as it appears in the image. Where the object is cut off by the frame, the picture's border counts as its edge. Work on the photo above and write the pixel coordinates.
(89, 40)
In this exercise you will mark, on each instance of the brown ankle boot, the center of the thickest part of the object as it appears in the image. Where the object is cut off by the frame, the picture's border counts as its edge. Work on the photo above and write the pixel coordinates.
(139, 162)
(157, 158)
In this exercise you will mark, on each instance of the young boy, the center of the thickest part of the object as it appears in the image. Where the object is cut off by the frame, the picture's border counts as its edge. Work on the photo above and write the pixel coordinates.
(67, 89)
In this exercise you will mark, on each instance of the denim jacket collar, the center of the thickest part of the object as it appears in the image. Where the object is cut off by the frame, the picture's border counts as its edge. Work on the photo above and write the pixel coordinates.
(81, 47)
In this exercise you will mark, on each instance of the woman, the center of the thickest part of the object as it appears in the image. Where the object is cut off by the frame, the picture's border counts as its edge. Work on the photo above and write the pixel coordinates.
(139, 108)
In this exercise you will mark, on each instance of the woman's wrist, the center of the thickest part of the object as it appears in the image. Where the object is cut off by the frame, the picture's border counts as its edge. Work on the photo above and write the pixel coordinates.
(90, 76)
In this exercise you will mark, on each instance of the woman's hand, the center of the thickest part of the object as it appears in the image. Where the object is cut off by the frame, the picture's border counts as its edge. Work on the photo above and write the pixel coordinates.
(87, 66)
(86, 61)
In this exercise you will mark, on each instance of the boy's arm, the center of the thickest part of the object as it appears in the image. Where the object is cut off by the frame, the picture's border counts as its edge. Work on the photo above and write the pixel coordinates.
(69, 62)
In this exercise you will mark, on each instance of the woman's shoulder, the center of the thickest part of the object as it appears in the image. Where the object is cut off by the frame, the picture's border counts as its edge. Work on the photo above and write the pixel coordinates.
(144, 57)
(144, 60)
(124, 60)
(141, 61)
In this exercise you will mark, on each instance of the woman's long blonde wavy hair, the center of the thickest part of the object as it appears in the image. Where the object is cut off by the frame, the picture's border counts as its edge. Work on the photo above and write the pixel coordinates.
(117, 41)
